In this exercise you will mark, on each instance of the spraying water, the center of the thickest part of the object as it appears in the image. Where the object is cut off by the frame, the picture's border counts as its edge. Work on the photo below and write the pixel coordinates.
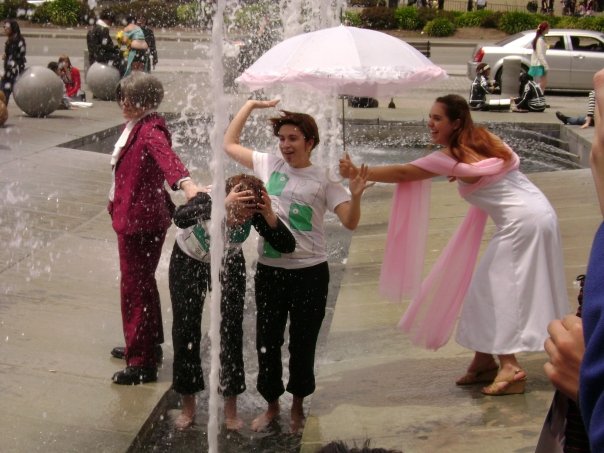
(297, 16)
(218, 214)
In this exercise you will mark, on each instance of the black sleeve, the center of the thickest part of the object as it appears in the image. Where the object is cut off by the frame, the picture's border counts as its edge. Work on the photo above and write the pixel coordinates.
(106, 50)
(280, 238)
(197, 208)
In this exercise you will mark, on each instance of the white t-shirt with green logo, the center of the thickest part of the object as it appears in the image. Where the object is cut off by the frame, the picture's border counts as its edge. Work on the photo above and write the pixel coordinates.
(300, 197)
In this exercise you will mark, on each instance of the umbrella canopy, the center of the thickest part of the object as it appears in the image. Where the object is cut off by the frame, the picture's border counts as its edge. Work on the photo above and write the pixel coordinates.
(345, 61)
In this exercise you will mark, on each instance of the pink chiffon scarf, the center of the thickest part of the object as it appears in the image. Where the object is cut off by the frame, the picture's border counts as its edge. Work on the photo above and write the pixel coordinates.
(435, 302)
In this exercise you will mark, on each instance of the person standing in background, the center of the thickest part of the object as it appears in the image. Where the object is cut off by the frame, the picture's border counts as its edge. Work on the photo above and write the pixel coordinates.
(137, 55)
(150, 38)
(539, 66)
(14, 57)
(100, 46)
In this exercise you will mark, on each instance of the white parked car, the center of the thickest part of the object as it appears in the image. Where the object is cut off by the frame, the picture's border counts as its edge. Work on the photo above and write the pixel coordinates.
(574, 56)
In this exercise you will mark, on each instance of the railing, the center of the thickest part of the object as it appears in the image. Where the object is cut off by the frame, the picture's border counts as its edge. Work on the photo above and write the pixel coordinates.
(462, 5)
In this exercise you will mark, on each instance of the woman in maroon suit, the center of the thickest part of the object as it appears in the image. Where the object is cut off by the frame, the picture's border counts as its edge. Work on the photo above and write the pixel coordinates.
(141, 212)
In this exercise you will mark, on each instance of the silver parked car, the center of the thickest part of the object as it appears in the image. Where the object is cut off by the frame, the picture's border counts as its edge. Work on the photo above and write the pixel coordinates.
(574, 56)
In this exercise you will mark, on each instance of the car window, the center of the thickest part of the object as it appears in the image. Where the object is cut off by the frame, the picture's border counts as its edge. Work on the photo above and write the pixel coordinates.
(513, 38)
(555, 42)
(586, 44)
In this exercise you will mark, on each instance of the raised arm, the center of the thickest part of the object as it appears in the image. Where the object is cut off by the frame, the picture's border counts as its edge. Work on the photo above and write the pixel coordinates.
(597, 147)
(232, 136)
(349, 212)
(385, 173)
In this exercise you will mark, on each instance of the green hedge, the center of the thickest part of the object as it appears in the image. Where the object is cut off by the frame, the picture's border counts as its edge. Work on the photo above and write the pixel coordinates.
(378, 18)
(515, 21)
(407, 18)
(439, 27)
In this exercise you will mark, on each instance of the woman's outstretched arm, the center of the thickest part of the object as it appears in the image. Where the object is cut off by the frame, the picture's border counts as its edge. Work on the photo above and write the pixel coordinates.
(385, 173)
(232, 136)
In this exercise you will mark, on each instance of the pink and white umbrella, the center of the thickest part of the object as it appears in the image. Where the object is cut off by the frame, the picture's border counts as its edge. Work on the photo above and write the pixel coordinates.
(344, 61)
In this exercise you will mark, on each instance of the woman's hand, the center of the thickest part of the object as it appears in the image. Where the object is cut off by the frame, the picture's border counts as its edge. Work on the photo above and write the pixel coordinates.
(190, 189)
(258, 104)
(358, 184)
(347, 168)
(239, 205)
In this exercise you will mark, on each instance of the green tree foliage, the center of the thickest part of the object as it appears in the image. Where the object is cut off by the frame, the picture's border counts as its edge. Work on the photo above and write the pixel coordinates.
(14, 9)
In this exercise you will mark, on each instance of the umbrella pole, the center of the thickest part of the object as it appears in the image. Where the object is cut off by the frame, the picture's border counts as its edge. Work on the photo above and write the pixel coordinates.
(343, 127)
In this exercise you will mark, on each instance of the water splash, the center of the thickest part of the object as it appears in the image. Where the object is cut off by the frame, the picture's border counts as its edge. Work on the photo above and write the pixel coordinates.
(217, 215)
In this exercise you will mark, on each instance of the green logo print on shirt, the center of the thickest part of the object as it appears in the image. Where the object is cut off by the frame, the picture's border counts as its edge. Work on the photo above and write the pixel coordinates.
(276, 183)
(300, 217)
(269, 251)
(202, 237)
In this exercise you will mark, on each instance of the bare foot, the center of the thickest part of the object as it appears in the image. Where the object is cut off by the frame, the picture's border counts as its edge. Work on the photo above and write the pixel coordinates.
(231, 420)
(263, 420)
(297, 415)
(187, 416)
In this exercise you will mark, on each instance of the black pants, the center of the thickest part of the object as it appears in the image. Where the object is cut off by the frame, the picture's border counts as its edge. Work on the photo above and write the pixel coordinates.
(188, 281)
(301, 294)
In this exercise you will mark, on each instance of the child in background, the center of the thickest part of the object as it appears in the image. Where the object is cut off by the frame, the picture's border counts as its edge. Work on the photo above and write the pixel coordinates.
(72, 80)
(481, 87)
(247, 204)
(60, 71)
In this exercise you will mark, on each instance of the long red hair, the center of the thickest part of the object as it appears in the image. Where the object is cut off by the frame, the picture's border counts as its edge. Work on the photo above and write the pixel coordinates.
(541, 29)
(469, 138)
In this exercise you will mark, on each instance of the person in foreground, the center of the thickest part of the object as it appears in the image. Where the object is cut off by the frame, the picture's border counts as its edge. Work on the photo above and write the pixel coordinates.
(293, 284)
(247, 204)
(576, 355)
(519, 284)
(141, 213)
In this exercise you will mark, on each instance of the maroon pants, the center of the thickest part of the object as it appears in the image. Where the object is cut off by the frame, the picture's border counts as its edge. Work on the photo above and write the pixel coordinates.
(141, 310)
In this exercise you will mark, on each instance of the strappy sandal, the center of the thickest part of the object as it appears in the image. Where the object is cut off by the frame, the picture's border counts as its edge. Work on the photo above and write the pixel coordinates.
(478, 377)
(511, 386)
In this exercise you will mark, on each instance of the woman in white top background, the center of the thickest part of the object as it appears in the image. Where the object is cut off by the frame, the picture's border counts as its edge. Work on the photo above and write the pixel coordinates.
(539, 66)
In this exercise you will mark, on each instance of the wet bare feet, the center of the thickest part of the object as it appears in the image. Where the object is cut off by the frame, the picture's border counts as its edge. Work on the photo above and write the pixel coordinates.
(263, 420)
(297, 415)
(231, 420)
(187, 416)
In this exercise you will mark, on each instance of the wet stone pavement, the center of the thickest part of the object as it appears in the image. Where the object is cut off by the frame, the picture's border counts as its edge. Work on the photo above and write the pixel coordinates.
(159, 435)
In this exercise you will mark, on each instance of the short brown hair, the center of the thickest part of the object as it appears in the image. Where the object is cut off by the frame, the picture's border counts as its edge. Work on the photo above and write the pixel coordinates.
(141, 89)
(248, 182)
(302, 121)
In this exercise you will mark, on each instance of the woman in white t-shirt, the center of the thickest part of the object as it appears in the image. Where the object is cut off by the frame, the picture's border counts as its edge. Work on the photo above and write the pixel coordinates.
(292, 284)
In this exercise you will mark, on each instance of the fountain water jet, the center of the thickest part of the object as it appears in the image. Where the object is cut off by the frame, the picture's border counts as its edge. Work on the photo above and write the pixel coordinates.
(218, 214)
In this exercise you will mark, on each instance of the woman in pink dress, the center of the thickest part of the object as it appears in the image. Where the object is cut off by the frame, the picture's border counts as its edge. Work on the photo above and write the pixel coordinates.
(519, 284)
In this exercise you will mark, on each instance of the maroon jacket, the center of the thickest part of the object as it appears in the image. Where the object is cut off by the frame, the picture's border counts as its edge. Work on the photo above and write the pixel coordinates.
(141, 202)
